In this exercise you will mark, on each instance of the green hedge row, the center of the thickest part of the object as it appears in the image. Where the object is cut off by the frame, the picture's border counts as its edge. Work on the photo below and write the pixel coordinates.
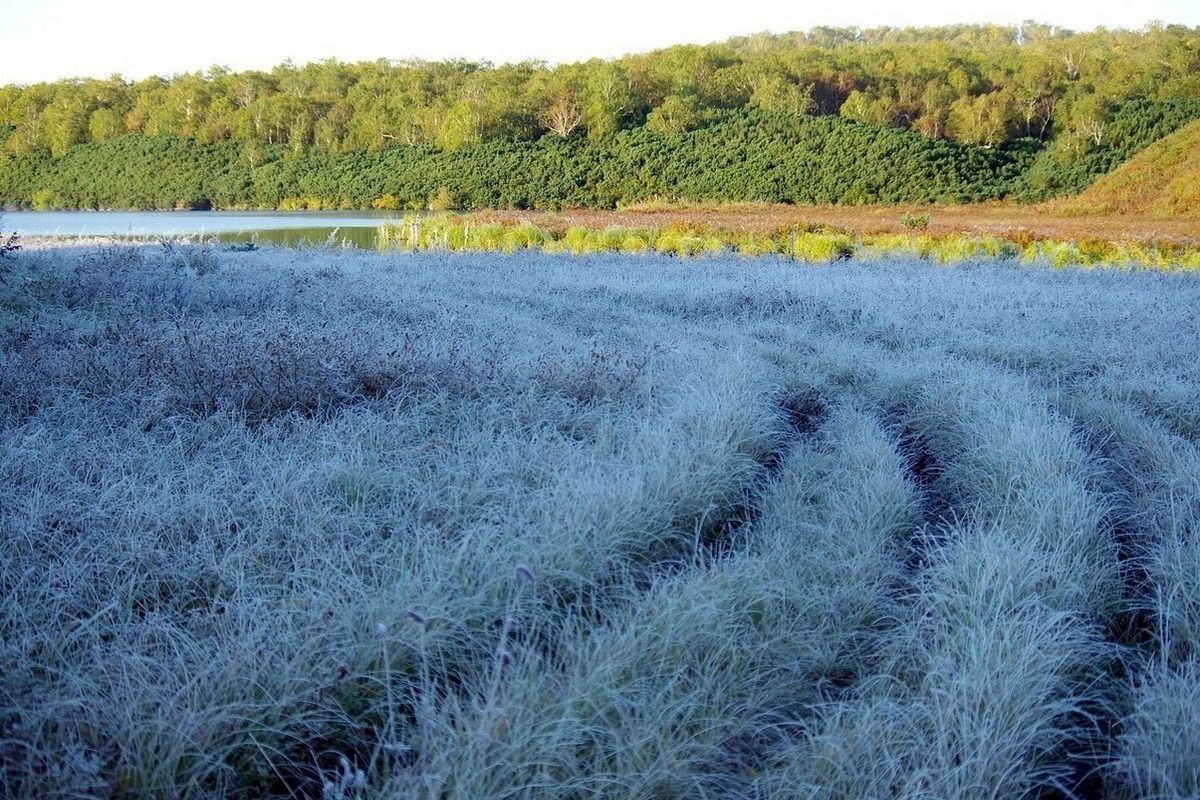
(743, 155)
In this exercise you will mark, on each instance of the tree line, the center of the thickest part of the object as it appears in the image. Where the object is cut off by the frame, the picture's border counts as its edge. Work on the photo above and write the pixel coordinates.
(973, 84)
(742, 155)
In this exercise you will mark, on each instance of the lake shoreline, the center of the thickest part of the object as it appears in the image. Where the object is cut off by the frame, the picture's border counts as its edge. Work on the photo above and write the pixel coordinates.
(1007, 220)
(941, 234)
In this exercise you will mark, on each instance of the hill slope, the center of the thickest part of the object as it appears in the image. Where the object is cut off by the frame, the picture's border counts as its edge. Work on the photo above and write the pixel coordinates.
(1162, 180)
(739, 156)
(1064, 169)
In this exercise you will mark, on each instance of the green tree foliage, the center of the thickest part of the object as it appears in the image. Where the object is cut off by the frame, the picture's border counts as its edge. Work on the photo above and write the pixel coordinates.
(777, 93)
(1001, 83)
(987, 119)
(608, 99)
(676, 114)
(865, 107)
(991, 86)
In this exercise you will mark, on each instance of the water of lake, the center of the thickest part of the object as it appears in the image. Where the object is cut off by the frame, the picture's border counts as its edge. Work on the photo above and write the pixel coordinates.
(285, 228)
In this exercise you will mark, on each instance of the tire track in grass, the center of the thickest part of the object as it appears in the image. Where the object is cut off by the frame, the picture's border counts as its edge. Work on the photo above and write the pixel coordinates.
(692, 690)
(940, 510)
(1124, 444)
(1150, 478)
(1054, 491)
(1123, 490)
(677, 484)
(1123, 497)
(1156, 474)
(996, 687)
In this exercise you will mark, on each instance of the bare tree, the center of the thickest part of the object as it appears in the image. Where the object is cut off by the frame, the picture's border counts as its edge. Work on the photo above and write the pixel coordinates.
(1094, 127)
(564, 115)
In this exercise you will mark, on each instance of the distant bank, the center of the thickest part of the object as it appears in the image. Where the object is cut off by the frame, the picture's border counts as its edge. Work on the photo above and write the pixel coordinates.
(740, 156)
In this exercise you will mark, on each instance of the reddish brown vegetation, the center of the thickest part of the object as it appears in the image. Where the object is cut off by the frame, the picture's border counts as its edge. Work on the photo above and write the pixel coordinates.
(1016, 223)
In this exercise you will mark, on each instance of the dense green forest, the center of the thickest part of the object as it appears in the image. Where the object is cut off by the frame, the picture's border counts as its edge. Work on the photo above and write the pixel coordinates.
(744, 155)
(831, 115)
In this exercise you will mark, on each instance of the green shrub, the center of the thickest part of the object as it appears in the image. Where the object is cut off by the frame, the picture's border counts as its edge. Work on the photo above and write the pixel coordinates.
(387, 202)
(46, 200)
(750, 245)
(955, 249)
(634, 243)
(524, 236)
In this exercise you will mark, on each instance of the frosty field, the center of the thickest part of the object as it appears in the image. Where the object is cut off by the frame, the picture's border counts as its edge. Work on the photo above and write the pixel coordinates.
(333, 524)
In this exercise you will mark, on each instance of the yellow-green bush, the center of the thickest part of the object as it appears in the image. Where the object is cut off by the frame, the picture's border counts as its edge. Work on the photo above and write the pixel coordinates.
(751, 245)
(307, 203)
(447, 232)
(388, 202)
(46, 200)
(683, 243)
(445, 200)
(524, 236)
(822, 247)
(890, 244)
(953, 249)
(634, 242)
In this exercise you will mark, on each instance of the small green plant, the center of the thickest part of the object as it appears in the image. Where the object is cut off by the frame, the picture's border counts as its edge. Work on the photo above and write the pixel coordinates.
(634, 243)
(9, 245)
(524, 236)
(751, 245)
(915, 222)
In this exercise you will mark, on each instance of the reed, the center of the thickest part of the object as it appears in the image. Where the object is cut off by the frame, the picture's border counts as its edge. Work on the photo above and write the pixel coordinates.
(815, 245)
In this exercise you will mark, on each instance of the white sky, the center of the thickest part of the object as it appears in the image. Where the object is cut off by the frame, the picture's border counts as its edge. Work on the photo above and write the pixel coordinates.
(50, 39)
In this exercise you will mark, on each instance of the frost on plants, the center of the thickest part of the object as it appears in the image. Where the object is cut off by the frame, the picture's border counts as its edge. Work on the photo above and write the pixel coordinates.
(583, 524)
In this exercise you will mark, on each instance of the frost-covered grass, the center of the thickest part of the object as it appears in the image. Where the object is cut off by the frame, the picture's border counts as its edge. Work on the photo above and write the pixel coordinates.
(348, 525)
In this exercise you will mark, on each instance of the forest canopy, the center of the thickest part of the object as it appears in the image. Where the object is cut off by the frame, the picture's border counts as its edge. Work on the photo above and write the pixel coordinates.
(1008, 89)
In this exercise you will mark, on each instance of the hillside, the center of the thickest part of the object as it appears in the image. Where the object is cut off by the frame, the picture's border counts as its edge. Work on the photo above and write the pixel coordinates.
(1162, 180)
(975, 84)
(740, 156)
(847, 116)
(1068, 166)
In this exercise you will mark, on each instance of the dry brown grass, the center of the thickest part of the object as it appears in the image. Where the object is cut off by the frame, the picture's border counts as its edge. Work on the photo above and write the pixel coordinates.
(1016, 223)
(1163, 179)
